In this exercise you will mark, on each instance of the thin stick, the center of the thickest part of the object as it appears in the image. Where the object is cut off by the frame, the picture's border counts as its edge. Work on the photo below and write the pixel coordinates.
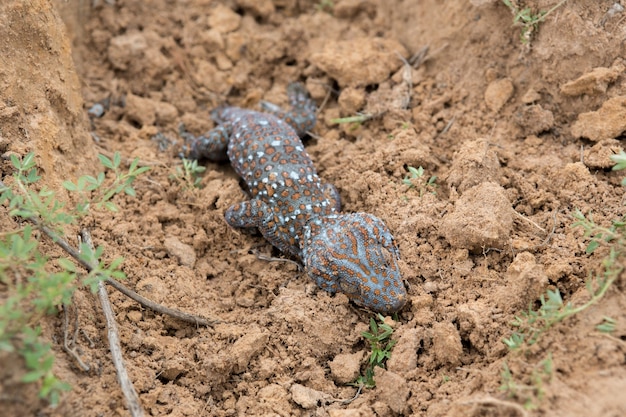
(132, 399)
(530, 221)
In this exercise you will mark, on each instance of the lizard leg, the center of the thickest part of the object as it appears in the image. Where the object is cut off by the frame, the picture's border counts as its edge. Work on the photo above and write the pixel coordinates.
(212, 145)
(255, 213)
(301, 116)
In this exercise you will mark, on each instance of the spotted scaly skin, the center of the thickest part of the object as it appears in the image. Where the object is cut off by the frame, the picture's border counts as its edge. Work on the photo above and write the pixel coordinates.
(350, 253)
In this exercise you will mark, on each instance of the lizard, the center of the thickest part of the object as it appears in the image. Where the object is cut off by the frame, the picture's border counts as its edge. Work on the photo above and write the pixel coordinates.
(351, 253)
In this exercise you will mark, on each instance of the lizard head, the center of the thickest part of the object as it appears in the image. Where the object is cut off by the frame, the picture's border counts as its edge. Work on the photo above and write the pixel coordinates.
(355, 254)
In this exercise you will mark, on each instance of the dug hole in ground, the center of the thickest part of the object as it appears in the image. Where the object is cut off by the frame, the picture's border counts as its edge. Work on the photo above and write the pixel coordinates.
(518, 130)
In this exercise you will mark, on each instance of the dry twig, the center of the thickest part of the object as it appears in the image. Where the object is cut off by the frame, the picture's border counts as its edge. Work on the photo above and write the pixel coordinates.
(132, 399)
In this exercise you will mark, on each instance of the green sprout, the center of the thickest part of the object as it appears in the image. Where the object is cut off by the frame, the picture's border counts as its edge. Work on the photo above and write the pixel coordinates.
(379, 338)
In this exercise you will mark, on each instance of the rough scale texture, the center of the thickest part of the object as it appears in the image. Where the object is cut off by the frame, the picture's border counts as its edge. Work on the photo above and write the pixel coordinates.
(350, 253)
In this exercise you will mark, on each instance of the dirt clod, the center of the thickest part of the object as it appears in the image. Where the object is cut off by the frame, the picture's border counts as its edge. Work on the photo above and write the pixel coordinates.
(345, 367)
(482, 218)
(447, 344)
(392, 390)
(498, 93)
(359, 62)
(606, 123)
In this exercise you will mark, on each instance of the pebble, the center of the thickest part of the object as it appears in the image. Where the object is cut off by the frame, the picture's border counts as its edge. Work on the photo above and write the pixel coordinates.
(305, 397)
(498, 92)
(184, 253)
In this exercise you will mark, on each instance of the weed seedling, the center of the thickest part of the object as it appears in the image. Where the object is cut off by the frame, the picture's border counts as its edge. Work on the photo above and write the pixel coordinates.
(607, 326)
(528, 20)
(532, 324)
(33, 285)
(325, 6)
(379, 338)
(415, 179)
(530, 394)
(356, 121)
(188, 174)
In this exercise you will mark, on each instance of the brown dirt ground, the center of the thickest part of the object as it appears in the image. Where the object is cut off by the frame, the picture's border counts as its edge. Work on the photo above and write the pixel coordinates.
(496, 121)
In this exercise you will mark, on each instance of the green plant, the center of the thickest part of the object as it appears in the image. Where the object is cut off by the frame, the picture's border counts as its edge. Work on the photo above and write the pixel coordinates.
(32, 284)
(532, 324)
(355, 121)
(122, 182)
(415, 178)
(527, 19)
(381, 344)
(607, 326)
(530, 394)
(620, 163)
(188, 174)
(325, 5)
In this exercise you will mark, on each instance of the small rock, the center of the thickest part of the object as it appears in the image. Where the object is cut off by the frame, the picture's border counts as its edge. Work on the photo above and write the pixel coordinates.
(478, 3)
(359, 62)
(345, 367)
(594, 82)
(134, 316)
(165, 112)
(498, 92)
(534, 119)
(182, 252)
(447, 344)
(172, 369)
(223, 19)
(606, 123)
(473, 318)
(391, 389)
(362, 411)
(306, 398)
(531, 96)
(212, 40)
(97, 110)
(482, 218)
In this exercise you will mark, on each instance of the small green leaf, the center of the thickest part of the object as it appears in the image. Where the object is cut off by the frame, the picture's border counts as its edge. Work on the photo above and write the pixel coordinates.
(16, 161)
(117, 159)
(109, 205)
(105, 161)
(592, 246)
(67, 264)
(70, 186)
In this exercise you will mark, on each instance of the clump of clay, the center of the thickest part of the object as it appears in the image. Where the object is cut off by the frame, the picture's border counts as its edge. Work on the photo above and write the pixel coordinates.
(498, 92)
(359, 62)
(473, 164)
(534, 119)
(482, 218)
(595, 81)
(606, 123)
